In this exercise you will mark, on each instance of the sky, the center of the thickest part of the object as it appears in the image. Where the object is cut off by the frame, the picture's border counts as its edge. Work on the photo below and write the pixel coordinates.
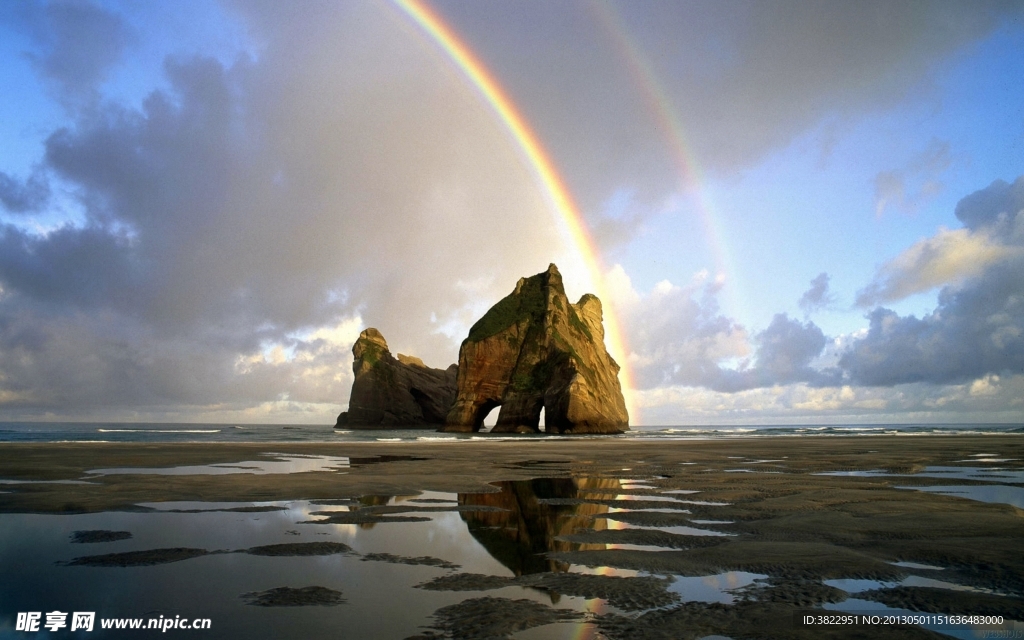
(797, 211)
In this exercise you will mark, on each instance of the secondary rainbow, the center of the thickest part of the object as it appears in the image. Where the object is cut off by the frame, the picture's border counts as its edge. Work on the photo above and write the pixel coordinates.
(691, 178)
(537, 157)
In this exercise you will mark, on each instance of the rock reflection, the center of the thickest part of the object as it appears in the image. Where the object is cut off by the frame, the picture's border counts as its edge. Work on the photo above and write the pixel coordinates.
(528, 528)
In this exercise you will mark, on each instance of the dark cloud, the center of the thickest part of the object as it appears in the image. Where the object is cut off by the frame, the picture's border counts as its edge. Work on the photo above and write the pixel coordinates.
(984, 207)
(818, 296)
(977, 327)
(785, 351)
(104, 364)
(235, 223)
(784, 354)
(976, 331)
(77, 267)
(77, 43)
(24, 196)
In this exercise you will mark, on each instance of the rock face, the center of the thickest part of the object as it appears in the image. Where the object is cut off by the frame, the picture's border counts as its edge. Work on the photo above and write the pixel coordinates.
(395, 393)
(534, 350)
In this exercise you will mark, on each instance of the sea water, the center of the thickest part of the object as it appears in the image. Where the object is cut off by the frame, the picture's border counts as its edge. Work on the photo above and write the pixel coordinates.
(231, 432)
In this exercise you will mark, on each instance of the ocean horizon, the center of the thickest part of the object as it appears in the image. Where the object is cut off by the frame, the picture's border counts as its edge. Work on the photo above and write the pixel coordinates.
(162, 432)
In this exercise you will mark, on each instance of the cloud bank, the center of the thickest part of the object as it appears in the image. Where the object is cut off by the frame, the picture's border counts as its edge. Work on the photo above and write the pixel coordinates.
(342, 175)
(977, 329)
(968, 351)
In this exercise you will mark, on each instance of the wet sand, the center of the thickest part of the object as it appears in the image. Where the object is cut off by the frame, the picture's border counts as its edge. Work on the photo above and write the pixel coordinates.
(785, 522)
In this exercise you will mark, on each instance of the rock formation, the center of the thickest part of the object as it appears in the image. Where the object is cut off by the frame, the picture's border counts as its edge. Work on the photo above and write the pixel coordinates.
(395, 393)
(528, 519)
(534, 350)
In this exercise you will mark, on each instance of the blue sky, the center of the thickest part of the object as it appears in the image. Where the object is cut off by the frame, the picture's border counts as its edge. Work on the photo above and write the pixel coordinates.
(202, 205)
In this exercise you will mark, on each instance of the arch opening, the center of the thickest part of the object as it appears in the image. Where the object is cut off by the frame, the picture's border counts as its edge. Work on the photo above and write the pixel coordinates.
(486, 417)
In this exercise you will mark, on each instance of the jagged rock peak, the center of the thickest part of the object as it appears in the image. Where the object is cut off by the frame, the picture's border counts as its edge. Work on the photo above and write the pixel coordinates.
(534, 350)
(397, 393)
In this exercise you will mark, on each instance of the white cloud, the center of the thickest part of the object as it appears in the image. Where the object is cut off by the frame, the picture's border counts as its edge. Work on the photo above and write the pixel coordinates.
(948, 257)
(988, 399)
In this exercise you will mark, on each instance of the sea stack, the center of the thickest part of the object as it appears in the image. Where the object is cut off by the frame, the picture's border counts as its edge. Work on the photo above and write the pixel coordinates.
(395, 393)
(535, 350)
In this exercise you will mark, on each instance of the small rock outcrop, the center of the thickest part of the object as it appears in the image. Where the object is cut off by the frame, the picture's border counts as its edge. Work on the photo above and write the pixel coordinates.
(395, 393)
(535, 350)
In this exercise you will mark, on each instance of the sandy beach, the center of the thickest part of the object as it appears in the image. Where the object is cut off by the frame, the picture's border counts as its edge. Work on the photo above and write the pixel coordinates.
(642, 510)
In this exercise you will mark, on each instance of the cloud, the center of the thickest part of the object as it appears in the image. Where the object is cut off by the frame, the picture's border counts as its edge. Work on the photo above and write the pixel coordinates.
(977, 329)
(818, 296)
(949, 257)
(976, 333)
(985, 207)
(679, 337)
(767, 72)
(993, 234)
(983, 400)
(77, 43)
(784, 354)
(23, 197)
(911, 186)
(676, 334)
(345, 173)
(620, 221)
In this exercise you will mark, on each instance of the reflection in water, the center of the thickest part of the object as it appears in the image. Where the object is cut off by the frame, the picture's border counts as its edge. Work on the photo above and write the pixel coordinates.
(527, 528)
(858, 585)
(714, 588)
(275, 463)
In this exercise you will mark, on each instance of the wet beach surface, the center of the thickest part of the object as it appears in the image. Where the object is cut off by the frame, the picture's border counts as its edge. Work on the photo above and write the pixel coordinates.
(530, 540)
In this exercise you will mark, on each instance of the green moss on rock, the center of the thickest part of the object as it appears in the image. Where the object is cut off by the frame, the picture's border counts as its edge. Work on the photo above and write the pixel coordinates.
(527, 302)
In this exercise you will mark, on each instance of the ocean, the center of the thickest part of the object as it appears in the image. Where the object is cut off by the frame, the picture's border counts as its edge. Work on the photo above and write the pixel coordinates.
(198, 433)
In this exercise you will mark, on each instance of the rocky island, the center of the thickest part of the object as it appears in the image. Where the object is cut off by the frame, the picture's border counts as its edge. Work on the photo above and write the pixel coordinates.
(395, 392)
(532, 351)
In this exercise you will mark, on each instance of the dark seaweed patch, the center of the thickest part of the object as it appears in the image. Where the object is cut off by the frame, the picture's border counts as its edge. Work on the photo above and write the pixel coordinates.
(99, 535)
(300, 549)
(492, 618)
(421, 560)
(144, 558)
(933, 600)
(359, 517)
(289, 597)
(648, 537)
(264, 509)
(630, 594)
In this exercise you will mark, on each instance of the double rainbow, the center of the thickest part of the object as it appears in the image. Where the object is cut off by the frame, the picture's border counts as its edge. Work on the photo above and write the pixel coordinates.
(538, 159)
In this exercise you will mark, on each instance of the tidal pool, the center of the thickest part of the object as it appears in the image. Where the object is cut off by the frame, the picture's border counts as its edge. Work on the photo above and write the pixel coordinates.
(381, 566)
(237, 563)
(1005, 494)
(985, 474)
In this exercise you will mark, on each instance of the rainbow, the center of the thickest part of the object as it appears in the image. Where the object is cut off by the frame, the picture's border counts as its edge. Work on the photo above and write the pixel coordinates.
(538, 159)
(691, 177)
